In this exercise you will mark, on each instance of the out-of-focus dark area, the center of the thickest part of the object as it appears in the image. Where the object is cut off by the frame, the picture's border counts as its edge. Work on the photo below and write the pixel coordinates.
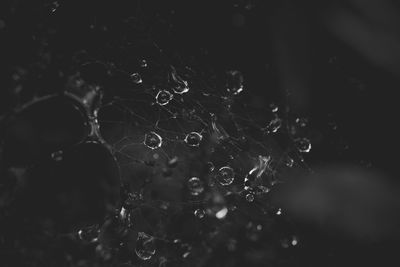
(337, 63)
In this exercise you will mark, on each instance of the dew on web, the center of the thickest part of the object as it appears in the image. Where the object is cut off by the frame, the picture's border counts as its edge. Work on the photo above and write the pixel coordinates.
(163, 97)
(152, 140)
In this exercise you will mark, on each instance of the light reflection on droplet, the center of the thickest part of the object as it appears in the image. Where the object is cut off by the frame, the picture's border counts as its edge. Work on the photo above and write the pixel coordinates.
(135, 77)
(303, 145)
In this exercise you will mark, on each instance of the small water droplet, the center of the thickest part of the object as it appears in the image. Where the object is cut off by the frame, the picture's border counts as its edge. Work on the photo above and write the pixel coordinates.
(54, 6)
(89, 234)
(289, 162)
(250, 197)
(274, 107)
(143, 63)
(152, 140)
(193, 139)
(145, 246)
(163, 97)
(234, 82)
(279, 211)
(195, 186)
(136, 78)
(303, 145)
(274, 125)
(225, 175)
(199, 213)
(302, 122)
(57, 156)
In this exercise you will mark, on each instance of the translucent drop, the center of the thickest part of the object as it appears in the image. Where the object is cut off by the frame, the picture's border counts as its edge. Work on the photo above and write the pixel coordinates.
(152, 140)
(163, 97)
(279, 211)
(193, 139)
(145, 246)
(302, 122)
(195, 186)
(303, 145)
(225, 175)
(289, 162)
(199, 213)
(274, 125)
(135, 77)
(57, 156)
(179, 86)
(89, 234)
(274, 107)
(234, 82)
(143, 63)
(250, 197)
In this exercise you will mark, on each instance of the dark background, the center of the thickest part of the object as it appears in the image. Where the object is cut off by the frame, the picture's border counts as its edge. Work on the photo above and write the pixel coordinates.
(344, 87)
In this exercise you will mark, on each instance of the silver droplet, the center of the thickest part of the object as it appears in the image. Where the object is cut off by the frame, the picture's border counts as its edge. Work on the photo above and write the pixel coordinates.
(195, 186)
(152, 140)
(303, 145)
(163, 97)
(193, 139)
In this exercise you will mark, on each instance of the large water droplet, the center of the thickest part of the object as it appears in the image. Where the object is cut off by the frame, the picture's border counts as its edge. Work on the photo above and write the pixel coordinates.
(234, 82)
(152, 140)
(225, 175)
(193, 139)
(163, 97)
(145, 246)
(195, 186)
(303, 145)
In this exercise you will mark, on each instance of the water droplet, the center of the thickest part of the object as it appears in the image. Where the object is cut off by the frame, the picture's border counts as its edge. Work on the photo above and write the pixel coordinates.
(145, 246)
(302, 122)
(274, 125)
(289, 162)
(179, 86)
(303, 145)
(225, 175)
(57, 156)
(279, 211)
(152, 140)
(274, 107)
(54, 6)
(234, 82)
(89, 234)
(143, 63)
(221, 214)
(195, 186)
(199, 213)
(295, 241)
(163, 97)
(250, 197)
(135, 77)
(193, 139)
